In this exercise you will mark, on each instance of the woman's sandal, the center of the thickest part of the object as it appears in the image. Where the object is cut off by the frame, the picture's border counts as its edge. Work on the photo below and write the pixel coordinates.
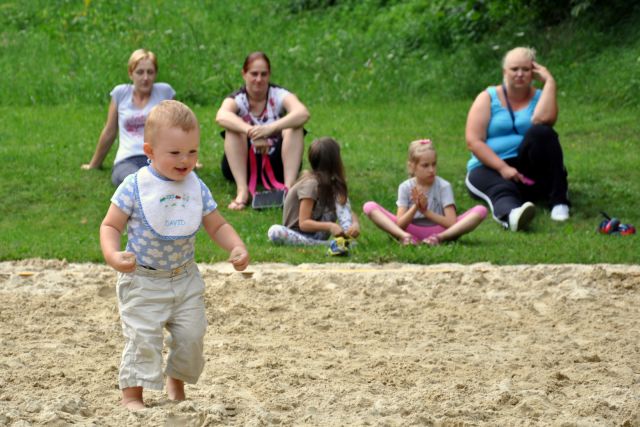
(432, 240)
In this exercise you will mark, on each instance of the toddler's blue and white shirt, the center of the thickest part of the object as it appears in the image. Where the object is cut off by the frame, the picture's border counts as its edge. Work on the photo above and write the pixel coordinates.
(150, 250)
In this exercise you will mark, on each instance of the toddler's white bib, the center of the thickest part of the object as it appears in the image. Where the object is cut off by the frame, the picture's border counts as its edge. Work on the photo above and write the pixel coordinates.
(170, 209)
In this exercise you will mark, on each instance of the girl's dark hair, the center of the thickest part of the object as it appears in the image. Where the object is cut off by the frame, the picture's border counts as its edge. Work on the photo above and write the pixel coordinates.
(327, 168)
(253, 56)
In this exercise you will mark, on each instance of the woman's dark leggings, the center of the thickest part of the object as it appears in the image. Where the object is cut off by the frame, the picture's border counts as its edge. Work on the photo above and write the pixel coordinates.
(540, 159)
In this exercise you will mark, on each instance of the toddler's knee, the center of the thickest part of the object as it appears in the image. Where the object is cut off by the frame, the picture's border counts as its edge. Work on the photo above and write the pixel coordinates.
(369, 207)
(148, 350)
(193, 335)
(186, 360)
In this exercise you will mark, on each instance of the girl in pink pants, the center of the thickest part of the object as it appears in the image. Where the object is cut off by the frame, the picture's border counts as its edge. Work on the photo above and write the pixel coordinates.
(426, 209)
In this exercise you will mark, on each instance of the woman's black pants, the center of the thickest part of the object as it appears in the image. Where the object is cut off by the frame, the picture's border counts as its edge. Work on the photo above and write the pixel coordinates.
(540, 159)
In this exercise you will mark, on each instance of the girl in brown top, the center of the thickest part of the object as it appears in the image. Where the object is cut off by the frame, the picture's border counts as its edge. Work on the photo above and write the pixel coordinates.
(317, 206)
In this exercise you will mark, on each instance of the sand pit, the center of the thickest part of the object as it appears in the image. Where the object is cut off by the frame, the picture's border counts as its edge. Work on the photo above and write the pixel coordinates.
(339, 344)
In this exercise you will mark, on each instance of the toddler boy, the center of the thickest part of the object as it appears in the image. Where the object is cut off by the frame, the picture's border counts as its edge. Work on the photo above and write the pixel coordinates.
(163, 206)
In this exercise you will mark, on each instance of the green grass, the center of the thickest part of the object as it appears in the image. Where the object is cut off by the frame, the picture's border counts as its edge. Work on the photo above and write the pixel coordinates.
(52, 209)
(60, 59)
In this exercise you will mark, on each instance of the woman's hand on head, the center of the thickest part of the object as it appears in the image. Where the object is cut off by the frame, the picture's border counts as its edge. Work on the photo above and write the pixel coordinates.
(541, 73)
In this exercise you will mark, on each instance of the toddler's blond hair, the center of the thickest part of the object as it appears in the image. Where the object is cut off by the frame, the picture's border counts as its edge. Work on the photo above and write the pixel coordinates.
(169, 114)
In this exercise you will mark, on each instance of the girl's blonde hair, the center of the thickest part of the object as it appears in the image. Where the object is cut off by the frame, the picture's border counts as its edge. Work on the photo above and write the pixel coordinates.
(416, 149)
(139, 55)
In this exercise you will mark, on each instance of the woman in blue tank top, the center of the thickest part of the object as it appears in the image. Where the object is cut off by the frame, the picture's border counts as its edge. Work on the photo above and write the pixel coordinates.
(516, 155)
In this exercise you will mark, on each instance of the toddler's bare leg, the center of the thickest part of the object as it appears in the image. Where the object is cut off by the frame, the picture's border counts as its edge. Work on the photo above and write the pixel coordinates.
(132, 398)
(175, 389)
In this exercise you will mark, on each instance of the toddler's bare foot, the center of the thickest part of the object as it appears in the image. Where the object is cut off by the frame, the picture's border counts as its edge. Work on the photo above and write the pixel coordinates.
(133, 404)
(175, 389)
(132, 398)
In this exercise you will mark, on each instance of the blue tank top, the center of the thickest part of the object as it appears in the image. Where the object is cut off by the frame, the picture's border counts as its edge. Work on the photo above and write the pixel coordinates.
(500, 135)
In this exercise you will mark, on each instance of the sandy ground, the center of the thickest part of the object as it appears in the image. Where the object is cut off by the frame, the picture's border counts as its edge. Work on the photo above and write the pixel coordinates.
(339, 344)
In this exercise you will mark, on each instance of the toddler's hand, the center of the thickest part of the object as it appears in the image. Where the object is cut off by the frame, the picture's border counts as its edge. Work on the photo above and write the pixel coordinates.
(124, 262)
(239, 258)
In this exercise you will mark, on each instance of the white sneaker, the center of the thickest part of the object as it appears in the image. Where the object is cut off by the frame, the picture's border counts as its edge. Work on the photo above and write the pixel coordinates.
(520, 217)
(560, 213)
